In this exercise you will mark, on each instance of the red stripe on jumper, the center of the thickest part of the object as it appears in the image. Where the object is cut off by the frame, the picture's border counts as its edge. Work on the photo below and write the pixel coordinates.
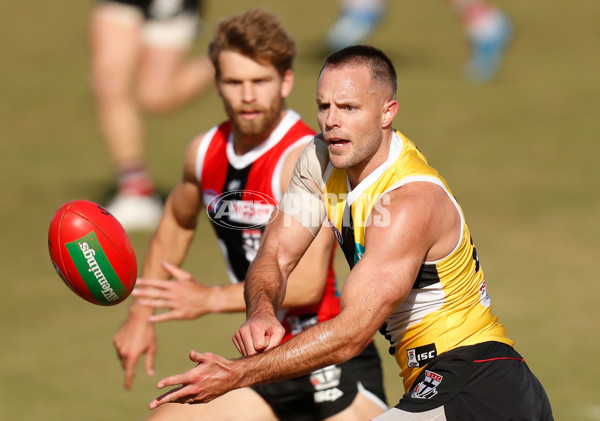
(501, 358)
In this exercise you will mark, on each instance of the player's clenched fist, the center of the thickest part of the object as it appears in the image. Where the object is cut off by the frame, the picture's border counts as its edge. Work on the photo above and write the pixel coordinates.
(261, 332)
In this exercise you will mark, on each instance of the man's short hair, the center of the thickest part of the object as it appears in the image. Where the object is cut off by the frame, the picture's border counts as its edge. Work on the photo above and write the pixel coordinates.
(257, 34)
(380, 66)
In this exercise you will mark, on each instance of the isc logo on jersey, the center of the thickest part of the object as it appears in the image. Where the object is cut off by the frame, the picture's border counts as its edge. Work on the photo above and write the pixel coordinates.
(418, 357)
(228, 209)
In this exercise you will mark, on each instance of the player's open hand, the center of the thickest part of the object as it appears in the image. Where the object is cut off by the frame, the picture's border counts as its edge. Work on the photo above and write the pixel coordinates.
(136, 337)
(261, 332)
(211, 378)
(185, 297)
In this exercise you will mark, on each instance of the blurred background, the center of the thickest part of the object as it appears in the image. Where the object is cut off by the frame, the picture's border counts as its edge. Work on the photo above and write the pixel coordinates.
(520, 154)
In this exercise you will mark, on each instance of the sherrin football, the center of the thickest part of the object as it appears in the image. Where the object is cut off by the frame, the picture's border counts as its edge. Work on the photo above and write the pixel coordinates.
(92, 253)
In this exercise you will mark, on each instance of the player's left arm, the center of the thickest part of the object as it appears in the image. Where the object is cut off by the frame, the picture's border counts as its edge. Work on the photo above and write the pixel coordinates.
(400, 237)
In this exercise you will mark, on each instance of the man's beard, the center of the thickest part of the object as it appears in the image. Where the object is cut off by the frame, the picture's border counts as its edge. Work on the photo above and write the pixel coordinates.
(263, 124)
(251, 128)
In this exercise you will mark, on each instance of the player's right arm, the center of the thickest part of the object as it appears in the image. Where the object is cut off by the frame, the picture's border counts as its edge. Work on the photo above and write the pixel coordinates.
(285, 241)
(170, 243)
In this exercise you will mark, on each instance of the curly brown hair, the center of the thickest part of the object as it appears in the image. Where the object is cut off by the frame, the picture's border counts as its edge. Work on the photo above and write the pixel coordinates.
(257, 34)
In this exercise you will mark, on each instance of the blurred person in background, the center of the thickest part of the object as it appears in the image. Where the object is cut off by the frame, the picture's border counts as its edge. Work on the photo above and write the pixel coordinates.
(238, 171)
(139, 56)
(487, 27)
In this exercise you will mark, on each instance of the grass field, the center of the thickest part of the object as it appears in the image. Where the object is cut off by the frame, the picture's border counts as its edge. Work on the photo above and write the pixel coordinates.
(520, 154)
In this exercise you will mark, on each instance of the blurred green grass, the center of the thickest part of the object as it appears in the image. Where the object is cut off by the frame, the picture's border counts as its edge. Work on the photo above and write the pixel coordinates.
(519, 153)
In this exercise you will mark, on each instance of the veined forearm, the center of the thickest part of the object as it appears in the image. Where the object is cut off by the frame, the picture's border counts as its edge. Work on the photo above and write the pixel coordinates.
(319, 346)
(264, 288)
(281, 249)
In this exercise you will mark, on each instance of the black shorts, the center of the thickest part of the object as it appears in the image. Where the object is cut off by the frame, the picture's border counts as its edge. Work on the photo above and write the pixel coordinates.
(156, 12)
(488, 381)
(327, 391)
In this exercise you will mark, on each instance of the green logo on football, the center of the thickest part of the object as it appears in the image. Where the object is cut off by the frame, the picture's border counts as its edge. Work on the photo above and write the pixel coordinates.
(95, 269)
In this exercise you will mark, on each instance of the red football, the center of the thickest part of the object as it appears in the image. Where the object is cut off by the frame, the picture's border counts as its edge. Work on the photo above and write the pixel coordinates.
(92, 253)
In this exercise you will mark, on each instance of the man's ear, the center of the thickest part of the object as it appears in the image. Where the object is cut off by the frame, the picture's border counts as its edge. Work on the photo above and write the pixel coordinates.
(287, 83)
(390, 109)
